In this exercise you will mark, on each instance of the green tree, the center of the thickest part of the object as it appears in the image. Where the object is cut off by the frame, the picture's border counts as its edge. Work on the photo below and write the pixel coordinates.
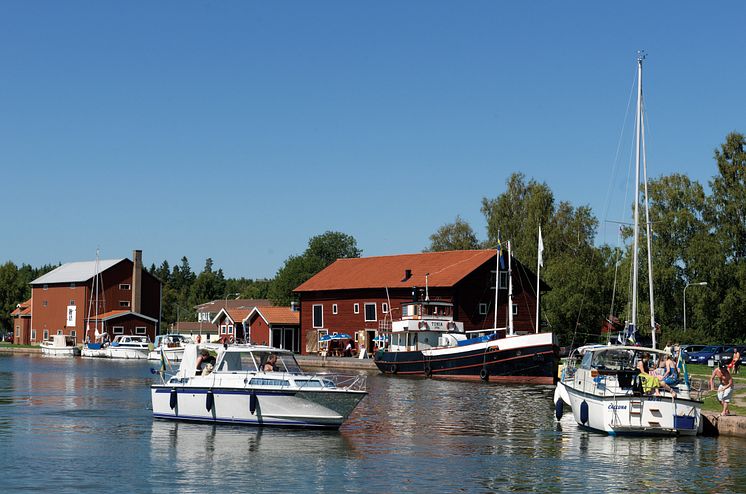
(209, 285)
(453, 236)
(322, 251)
(729, 194)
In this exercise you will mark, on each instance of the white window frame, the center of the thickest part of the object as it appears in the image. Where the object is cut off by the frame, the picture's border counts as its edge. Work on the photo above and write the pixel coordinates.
(33, 335)
(125, 286)
(117, 330)
(45, 287)
(375, 311)
(124, 303)
(72, 302)
(73, 333)
(503, 285)
(141, 330)
(385, 308)
(515, 309)
(335, 309)
(72, 285)
(59, 332)
(313, 315)
(223, 329)
(230, 329)
(45, 334)
(482, 309)
(356, 308)
(45, 303)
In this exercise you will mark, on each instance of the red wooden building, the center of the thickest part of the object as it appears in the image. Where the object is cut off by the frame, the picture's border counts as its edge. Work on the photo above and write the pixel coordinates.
(350, 295)
(22, 323)
(129, 300)
(276, 326)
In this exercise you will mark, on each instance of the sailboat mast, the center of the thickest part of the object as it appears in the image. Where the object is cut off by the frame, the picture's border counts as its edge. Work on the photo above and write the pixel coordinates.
(510, 291)
(649, 232)
(638, 128)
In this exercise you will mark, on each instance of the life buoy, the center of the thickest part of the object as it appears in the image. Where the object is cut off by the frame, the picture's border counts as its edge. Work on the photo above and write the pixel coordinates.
(484, 374)
(422, 325)
(428, 370)
(451, 325)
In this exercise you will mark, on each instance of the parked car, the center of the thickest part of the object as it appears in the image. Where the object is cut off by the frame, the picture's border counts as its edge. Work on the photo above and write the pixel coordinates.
(685, 349)
(704, 355)
(727, 355)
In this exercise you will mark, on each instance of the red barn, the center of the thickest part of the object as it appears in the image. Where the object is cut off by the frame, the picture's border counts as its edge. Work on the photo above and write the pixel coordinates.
(129, 300)
(362, 295)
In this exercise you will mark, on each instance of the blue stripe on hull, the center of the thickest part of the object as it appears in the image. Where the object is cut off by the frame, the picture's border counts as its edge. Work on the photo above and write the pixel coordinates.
(258, 423)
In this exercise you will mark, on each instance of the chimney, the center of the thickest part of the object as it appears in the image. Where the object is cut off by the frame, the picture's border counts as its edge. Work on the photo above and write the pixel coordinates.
(136, 281)
(407, 274)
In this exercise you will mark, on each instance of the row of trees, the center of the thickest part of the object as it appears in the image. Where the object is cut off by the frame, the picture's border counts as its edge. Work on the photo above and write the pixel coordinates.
(697, 237)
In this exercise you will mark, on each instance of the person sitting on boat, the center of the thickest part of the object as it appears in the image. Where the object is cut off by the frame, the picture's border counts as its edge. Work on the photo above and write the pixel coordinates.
(203, 361)
(670, 376)
(650, 383)
(271, 364)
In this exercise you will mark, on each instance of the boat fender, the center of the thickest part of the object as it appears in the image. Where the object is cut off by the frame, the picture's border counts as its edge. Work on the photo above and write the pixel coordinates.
(210, 400)
(252, 403)
(484, 374)
(428, 370)
(392, 368)
(559, 408)
(584, 413)
(173, 399)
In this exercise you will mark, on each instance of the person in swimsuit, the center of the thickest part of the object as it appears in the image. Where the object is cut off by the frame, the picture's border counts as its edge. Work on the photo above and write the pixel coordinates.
(650, 382)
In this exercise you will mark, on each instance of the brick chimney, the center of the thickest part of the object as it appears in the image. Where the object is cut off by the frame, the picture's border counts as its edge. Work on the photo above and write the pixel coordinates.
(136, 281)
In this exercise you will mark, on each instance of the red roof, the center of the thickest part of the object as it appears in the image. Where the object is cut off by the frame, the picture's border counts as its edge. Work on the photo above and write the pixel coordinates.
(445, 269)
(23, 309)
(279, 315)
(113, 314)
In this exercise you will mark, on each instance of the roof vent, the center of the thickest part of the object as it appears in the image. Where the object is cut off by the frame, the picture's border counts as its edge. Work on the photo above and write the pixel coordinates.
(407, 274)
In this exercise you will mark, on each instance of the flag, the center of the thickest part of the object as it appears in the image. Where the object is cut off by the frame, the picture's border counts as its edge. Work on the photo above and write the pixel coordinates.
(500, 250)
(164, 361)
(630, 333)
(541, 249)
(681, 366)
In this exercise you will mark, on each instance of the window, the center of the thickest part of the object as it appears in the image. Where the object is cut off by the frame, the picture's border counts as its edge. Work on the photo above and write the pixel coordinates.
(46, 334)
(230, 329)
(482, 309)
(318, 316)
(370, 312)
(18, 331)
(72, 285)
(44, 303)
(72, 302)
(515, 309)
(124, 286)
(46, 287)
(33, 335)
(59, 331)
(73, 333)
(356, 308)
(503, 279)
(139, 329)
(222, 329)
(124, 303)
(334, 308)
(385, 308)
(118, 329)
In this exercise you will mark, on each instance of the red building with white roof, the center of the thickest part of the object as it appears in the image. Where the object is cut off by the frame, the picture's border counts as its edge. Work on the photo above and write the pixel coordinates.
(63, 301)
(361, 296)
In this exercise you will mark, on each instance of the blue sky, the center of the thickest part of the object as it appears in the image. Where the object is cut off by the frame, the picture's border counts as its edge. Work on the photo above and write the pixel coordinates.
(237, 130)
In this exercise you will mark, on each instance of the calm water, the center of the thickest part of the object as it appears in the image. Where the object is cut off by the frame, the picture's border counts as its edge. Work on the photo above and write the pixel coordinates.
(72, 425)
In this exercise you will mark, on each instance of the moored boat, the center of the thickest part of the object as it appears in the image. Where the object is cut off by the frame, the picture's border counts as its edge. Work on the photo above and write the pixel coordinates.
(129, 347)
(60, 346)
(241, 389)
(170, 346)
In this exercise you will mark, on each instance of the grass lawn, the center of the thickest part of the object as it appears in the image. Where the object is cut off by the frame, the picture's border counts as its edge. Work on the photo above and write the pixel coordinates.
(711, 404)
(11, 345)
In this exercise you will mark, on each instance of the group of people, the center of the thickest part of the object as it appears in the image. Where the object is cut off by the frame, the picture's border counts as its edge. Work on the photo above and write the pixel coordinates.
(664, 376)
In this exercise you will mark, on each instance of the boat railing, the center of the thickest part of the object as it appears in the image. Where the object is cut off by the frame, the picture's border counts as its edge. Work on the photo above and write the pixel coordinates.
(342, 381)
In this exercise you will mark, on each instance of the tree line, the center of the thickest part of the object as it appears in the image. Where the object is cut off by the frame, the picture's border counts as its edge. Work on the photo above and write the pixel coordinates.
(696, 237)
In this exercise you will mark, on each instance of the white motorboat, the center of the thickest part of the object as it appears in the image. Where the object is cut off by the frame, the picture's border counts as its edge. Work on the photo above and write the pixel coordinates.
(239, 391)
(170, 346)
(603, 387)
(129, 347)
(60, 346)
(603, 384)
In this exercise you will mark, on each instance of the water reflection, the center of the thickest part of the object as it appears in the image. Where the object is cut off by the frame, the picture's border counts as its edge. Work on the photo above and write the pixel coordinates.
(411, 435)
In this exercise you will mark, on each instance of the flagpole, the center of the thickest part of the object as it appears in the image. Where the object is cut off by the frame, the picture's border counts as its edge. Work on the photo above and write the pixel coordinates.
(497, 277)
(510, 291)
(539, 262)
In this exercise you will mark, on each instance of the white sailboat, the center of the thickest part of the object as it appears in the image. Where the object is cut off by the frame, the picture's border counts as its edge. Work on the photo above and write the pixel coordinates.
(602, 384)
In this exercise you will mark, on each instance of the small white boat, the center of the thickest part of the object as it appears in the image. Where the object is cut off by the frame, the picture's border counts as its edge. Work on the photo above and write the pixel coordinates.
(239, 391)
(603, 387)
(170, 346)
(127, 346)
(60, 346)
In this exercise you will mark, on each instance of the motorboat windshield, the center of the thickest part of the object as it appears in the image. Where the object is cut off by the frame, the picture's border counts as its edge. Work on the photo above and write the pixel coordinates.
(243, 360)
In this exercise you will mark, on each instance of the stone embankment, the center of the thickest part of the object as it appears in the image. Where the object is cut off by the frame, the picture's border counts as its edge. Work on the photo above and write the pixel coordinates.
(717, 425)
(20, 350)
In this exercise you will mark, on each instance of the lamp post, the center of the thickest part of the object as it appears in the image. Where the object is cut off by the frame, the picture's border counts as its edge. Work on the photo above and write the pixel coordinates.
(699, 283)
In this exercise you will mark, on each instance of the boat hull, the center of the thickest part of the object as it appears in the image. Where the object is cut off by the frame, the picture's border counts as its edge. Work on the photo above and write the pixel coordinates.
(287, 408)
(172, 354)
(632, 414)
(527, 359)
(60, 352)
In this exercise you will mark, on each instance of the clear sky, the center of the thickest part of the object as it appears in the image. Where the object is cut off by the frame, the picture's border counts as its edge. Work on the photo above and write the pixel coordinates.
(237, 130)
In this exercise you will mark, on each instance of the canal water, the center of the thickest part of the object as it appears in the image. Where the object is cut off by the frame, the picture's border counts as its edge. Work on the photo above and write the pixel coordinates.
(84, 425)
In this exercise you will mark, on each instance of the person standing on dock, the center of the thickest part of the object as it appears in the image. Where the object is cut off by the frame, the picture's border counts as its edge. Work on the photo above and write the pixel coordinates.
(725, 389)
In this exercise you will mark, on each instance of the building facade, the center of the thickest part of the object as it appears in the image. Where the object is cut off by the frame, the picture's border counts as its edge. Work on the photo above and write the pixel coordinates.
(275, 326)
(362, 296)
(86, 299)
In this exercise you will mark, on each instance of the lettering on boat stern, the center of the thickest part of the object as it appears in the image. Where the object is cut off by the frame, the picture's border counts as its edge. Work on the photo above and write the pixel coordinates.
(617, 407)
